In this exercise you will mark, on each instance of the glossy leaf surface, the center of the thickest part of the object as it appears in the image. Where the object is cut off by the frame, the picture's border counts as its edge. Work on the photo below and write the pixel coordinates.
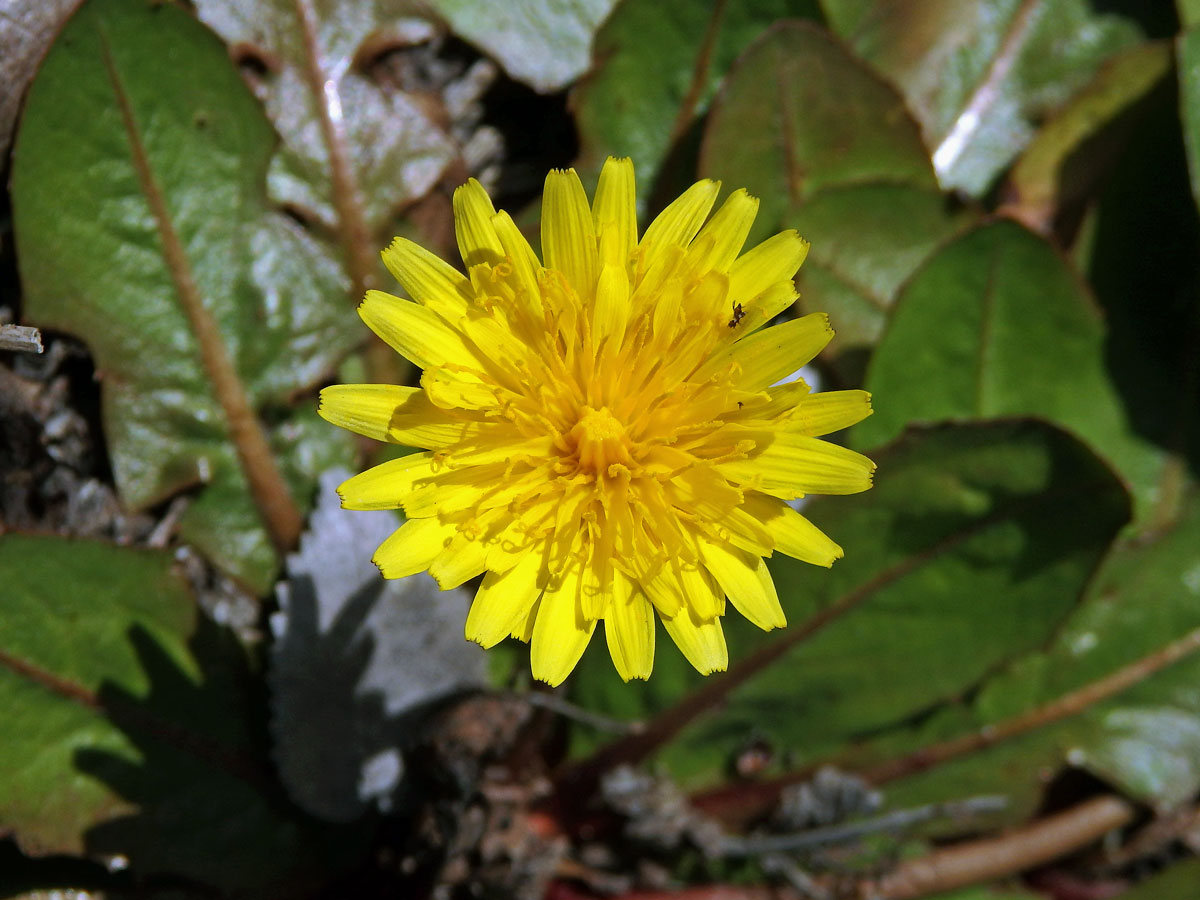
(979, 74)
(143, 229)
(830, 150)
(1017, 334)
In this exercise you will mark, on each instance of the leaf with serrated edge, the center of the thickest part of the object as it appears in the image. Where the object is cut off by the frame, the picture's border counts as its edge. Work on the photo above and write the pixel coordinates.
(1017, 334)
(830, 150)
(979, 73)
(125, 728)
(358, 656)
(142, 228)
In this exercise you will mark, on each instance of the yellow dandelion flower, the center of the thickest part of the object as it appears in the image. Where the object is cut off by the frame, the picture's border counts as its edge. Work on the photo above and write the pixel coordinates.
(604, 435)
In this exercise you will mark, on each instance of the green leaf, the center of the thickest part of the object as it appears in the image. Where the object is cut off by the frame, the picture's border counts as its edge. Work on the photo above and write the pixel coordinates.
(142, 228)
(129, 725)
(831, 151)
(1016, 334)
(657, 68)
(543, 43)
(1050, 173)
(980, 74)
(1144, 739)
(972, 547)
(353, 150)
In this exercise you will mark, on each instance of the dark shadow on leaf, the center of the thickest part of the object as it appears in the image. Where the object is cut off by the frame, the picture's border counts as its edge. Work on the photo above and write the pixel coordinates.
(210, 812)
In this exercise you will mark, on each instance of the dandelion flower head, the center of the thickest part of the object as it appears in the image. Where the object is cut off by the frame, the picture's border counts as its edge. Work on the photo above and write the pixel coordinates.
(604, 435)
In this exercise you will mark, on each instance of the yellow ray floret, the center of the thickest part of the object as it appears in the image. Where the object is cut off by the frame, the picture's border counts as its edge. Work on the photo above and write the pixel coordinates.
(606, 437)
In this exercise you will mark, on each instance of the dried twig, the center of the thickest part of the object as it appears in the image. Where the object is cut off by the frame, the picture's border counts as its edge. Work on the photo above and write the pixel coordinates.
(839, 834)
(1018, 851)
(20, 338)
(568, 710)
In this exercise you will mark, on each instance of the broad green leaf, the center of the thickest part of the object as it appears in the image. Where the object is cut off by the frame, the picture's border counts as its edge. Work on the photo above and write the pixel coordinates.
(831, 151)
(543, 43)
(142, 228)
(1144, 739)
(657, 68)
(973, 546)
(128, 724)
(1052, 172)
(979, 74)
(353, 150)
(996, 324)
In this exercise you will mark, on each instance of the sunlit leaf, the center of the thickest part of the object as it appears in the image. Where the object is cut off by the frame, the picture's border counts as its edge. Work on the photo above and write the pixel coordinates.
(831, 151)
(1016, 334)
(128, 724)
(142, 228)
(544, 43)
(979, 74)
(353, 150)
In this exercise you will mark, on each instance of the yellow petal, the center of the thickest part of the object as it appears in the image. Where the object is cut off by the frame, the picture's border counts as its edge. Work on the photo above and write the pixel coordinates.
(611, 312)
(662, 589)
(503, 601)
(775, 259)
(720, 241)
(830, 411)
(428, 279)
(568, 235)
(615, 210)
(385, 485)
(766, 356)
(446, 390)
(523, 630)
(561, 633)
(400, 415)
(629, 630)
(461, 561)
(521, 257)
(477, 239)
(746, 581)
(412, 547)
(702, 643)
(759, 310)
(676, 225)
(791, 532)
(789, 465)
(416, 333)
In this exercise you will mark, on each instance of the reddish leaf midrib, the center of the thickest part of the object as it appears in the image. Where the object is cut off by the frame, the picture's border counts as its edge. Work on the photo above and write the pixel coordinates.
(267, 486)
